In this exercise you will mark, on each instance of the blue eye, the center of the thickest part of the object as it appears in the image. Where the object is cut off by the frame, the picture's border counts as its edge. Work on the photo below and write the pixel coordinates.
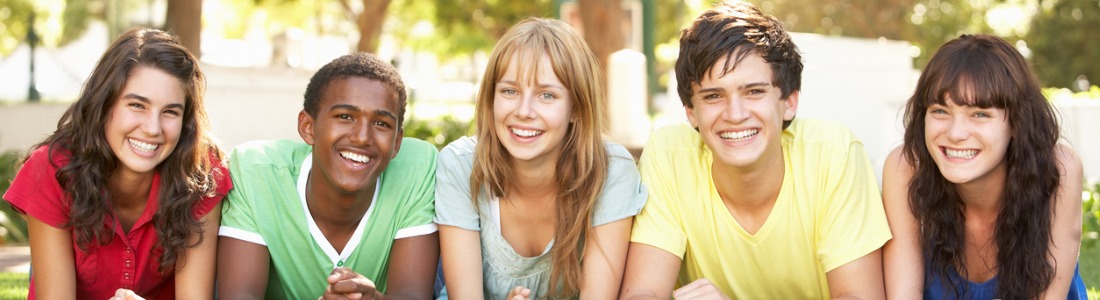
(547, 96)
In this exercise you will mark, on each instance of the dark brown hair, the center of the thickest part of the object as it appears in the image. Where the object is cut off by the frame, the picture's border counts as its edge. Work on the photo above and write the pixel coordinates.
(187, 174)
(986, 71)
(732, 31)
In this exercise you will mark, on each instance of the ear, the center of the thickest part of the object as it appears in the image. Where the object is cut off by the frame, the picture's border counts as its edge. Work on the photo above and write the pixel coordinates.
(792, 106)
(397, 143)
(691, 117)
(305, 127)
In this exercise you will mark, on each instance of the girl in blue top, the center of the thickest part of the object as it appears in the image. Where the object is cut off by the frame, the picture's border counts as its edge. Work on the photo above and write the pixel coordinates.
(982, 199)
(538, 205)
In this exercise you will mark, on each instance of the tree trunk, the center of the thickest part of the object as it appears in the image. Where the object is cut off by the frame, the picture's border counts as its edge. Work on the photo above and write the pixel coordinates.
(370, 24)
(185, 20)
(602, 26)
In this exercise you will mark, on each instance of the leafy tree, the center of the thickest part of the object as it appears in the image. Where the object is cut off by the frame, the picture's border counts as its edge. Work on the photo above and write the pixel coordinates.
(1062, 45)
(73, 19)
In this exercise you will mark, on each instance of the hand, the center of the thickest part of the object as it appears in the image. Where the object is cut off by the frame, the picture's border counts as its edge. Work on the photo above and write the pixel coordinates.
(699, 289)
(343, 283)
(519, 293)
(124, 294)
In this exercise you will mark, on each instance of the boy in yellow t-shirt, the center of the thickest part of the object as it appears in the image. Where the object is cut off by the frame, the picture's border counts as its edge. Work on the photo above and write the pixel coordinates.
(750, 203)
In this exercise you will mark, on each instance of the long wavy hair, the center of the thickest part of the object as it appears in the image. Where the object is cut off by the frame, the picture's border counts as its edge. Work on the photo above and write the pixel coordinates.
(986, 71)
(187, 174)
(581, 168)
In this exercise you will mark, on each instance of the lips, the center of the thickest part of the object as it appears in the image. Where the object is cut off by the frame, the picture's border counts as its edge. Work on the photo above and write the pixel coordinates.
(142, 146)
(736, 136)
(963, 154)
(526, 133)
(355, 157)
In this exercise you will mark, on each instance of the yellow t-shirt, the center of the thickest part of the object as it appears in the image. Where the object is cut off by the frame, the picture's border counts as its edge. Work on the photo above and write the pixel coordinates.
(828, 213)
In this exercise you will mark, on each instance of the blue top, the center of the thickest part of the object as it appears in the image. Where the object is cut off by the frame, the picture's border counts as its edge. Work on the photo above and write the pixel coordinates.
(934, 289)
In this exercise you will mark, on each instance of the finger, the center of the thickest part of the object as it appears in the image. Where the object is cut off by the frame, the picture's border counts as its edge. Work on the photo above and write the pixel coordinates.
(341, 273)
(355, 285)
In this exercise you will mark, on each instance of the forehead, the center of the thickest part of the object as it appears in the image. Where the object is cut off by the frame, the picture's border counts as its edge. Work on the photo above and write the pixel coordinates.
(529, 67)
(751, 68)
(154, 84)
(358, 91)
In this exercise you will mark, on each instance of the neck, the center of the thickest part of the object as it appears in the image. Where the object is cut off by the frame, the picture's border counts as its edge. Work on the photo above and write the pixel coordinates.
(129, 190)
(754, 187)
(532, 181)
(984, 194)
(329, 206)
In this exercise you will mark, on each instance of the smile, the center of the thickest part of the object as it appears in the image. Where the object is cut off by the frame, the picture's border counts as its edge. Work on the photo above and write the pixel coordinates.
(738, 135)
(965, 154)
(363, 159)
(142, 146)
(526, 132)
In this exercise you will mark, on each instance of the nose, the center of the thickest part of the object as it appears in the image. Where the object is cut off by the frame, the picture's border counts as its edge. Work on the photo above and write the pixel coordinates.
(526, 107)
(735, 111)
(152, 124)
(958, 130)
(360, 133)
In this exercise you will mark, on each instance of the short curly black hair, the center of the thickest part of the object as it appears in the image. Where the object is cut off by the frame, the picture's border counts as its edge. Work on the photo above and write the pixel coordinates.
(360, 64)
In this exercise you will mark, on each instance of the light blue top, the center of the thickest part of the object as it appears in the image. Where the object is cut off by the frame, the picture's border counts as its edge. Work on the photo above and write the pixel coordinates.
(623, 196)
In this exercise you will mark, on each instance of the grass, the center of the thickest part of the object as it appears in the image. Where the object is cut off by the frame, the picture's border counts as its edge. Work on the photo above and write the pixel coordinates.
(1090, 270)
(13, 285)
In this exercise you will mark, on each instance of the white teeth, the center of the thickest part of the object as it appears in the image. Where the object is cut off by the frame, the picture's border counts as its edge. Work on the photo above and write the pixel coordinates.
(739, 135)
(355, 157)
(146, 147)
(967, 154)
(525, 132)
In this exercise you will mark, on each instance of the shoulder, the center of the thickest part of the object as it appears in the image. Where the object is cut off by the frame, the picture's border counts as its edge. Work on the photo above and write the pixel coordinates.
(1067, 160)
(273, 153)
(414, 152)
(817, 131)
(458, 152)
(47, 156)
(617, 153)
(674, 135)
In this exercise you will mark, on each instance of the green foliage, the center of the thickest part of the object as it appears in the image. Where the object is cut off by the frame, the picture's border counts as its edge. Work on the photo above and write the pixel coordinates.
(14, 285)
(1090, 211)
(1062, 46)
(439, 132)
(56, 22)
(12, 225)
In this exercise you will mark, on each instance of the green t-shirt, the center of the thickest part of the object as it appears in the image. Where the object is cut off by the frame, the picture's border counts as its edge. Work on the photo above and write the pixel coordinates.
(267, 207)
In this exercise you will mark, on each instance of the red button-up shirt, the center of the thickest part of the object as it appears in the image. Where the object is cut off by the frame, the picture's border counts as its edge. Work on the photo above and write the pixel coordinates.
(130, 260)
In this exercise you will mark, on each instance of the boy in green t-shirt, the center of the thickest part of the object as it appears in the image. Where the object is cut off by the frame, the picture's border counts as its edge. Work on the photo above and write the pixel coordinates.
(343, 215)
(748, 202)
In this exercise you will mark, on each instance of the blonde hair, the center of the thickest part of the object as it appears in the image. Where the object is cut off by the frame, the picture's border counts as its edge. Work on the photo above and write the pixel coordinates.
(582, 167)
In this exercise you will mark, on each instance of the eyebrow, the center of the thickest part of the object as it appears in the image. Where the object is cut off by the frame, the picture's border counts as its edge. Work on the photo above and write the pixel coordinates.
(147, 101)
(356, 109)
(740, 88)
(545, 85)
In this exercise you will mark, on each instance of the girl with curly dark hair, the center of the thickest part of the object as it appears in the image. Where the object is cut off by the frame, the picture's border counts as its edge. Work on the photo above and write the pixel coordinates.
(124, 197)
(982, 200)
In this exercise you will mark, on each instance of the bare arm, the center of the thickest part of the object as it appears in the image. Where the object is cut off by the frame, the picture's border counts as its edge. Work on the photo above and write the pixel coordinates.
(1065, 232)
(242, 269)
(53, 261)
(901, 256)
(604, 259)
(412, 267)
(859, 279)
(461, 252)
(650, 273)
(195, 269)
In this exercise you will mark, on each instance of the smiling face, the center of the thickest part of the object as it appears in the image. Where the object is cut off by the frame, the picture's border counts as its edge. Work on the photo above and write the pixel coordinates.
(143, 126)
(354, 135)
(531, 116)
(740, 114)
(968, 143)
